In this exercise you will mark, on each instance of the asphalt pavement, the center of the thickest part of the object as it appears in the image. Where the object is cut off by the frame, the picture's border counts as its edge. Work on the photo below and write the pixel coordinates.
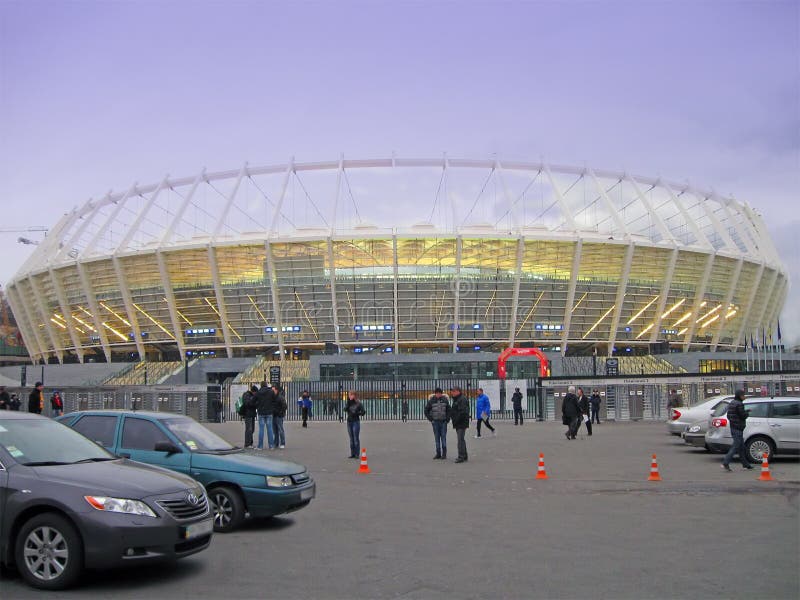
(422, 528)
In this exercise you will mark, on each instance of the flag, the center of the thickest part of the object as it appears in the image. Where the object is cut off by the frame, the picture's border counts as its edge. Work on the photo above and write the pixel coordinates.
(764, 338)
(779, 331)
(752, 342)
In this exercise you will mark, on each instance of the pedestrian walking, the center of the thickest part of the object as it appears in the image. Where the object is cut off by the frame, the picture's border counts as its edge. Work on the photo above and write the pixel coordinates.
(737, 417)
(57, 404)
(5, 399)
(279, 408)
(354, 411)
(483, 412)
(583, 405)
(248, 413)
(264, 399)
(36, 399)
(595, 401)
(673, 401)
(570, 413)
(459, 414)
(437, 411)
(305, 403)
(404, 410)
(516, 402)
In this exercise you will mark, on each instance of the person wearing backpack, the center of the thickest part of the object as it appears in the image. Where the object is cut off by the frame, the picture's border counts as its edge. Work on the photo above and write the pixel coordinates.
(279, 408)
(247, 410)
(437, 411)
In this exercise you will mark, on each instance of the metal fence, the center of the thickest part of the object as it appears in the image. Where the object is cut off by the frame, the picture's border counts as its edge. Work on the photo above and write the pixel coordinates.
(623, 398)
(192, 400)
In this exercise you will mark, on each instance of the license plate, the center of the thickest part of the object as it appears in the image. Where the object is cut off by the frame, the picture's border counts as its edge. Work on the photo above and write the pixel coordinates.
(198, 529)
(307, 494)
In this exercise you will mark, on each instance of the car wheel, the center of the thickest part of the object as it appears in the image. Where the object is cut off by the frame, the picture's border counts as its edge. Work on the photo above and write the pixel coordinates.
(49, 552)
(755, 448)
(228, 508)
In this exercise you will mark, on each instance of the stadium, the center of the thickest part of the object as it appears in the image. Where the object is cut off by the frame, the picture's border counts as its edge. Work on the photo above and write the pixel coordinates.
(398, 255)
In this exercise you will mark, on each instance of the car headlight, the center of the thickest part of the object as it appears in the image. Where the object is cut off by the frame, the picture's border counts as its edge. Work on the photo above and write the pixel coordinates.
(694, 429)
(282, 481)
(120, 505)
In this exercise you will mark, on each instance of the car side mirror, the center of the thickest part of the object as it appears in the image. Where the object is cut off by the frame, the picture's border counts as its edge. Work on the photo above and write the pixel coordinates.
(167, 447)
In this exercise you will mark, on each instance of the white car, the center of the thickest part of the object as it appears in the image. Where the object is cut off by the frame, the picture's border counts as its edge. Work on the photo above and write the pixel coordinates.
(773, 426)
(684, 416)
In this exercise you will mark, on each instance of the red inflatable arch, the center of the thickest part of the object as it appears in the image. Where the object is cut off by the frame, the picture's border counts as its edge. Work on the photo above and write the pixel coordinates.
(509, 352)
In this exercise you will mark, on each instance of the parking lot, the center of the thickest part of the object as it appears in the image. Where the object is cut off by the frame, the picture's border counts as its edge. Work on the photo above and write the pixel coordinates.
(420, 528)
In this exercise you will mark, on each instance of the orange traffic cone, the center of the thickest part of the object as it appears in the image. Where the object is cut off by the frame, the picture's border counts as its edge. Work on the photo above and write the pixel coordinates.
(765, 474)
(654, 474)
(541, 473)
(364, 468)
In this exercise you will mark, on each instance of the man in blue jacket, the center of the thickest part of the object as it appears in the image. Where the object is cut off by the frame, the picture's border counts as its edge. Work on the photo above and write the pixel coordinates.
(483, 411)
(305, 403)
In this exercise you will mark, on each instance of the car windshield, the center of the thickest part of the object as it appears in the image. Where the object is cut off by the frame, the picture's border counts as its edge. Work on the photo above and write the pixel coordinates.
(196, 437)
(720, 409)
(39, 442)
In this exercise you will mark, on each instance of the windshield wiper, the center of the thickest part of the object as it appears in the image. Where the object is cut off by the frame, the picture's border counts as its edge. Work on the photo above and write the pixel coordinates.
(45, 463)
(97, 459)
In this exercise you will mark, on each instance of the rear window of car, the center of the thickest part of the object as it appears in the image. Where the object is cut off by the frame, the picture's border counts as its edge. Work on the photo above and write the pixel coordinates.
(757, 409)
(720, 409)
(786, 410)
(98, 428)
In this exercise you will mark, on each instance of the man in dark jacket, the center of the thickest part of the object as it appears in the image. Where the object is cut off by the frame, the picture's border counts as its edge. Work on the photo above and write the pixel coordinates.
(437, 411)
(595, 401)
(249, 415)
(354, 410)
(279, 408)
(570, 413)
(36, 399)
(737, 417)
(583, 405)
(459, 413)
(264, 400)
(516, 401)
(5, 399)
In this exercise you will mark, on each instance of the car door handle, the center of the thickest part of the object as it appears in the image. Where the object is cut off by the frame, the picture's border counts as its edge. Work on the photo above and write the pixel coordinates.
(125, 454)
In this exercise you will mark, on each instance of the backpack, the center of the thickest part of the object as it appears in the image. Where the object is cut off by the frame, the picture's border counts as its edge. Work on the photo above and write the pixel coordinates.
(439, 410)
(240, 404)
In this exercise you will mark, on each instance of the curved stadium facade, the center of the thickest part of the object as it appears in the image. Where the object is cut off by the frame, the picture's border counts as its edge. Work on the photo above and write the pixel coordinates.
(394, 255)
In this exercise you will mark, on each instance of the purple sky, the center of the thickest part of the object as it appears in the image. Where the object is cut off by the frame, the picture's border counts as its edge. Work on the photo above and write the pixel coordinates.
(97, 95)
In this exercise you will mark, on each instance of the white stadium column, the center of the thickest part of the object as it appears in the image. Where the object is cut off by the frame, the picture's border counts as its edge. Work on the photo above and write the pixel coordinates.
(698, 301)
(723, 317)
(91, 299)
(177, 334)
(573, 283)
(66, 313)
(662, 301)
(127, 301)
(46, 316)
(512, 326)
(620, 300)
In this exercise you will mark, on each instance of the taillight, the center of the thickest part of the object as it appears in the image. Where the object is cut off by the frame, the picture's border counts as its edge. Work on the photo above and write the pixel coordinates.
(719, 422)
(676, 414)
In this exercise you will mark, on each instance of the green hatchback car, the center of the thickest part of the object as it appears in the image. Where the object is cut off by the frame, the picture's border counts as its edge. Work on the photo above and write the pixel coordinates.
(238, 484)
